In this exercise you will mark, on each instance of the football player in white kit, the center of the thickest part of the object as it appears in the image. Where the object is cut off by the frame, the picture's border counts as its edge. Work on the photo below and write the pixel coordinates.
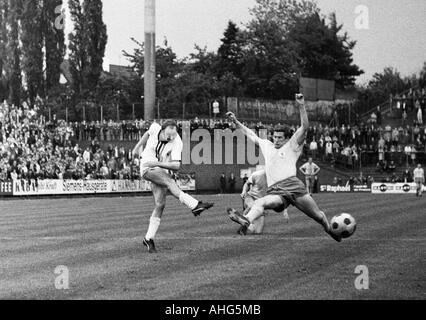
(419, 179)
(160, 158)
(284, 188)
(255, 188)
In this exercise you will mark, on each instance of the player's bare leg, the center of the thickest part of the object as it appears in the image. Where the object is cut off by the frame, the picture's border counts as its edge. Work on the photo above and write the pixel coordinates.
(160, 194)
(162, 178)
(308, 206)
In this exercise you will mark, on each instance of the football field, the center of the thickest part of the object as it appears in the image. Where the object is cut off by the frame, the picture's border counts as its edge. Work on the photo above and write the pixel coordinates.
(99, 241)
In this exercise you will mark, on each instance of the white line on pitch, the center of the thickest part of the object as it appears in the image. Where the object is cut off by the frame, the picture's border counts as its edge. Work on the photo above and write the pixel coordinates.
(257, 238)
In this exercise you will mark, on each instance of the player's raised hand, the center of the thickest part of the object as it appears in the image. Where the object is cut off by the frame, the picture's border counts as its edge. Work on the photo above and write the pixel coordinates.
(300, 99)
(231, 116)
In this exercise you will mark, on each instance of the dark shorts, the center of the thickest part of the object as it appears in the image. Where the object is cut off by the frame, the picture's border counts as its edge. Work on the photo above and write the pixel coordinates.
(289, 190)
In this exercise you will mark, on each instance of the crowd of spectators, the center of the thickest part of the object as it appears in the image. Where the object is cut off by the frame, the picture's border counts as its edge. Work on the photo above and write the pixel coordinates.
(31, 148)
(402, 145)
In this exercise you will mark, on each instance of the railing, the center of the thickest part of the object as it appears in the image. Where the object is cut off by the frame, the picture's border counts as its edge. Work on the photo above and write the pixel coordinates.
(388, 109)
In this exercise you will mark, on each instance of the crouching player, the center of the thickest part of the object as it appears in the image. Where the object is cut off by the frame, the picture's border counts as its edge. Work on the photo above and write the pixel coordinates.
(160, 158)
(255, 188)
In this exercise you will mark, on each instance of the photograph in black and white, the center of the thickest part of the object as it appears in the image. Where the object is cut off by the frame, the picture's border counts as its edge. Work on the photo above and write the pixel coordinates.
(205, 150)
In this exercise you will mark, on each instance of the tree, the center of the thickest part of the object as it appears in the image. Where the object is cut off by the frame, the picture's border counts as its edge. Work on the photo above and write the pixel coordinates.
(230, 52)
(13, 51)
(270, 62)
(422, 78)
(54, 39)
(95, 42)
(32, 49)
(3, 44)
(87, 45)
(321, 52)
(383, 84)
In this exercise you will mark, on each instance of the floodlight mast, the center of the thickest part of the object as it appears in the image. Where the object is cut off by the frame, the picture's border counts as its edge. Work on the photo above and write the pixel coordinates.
(149, 61)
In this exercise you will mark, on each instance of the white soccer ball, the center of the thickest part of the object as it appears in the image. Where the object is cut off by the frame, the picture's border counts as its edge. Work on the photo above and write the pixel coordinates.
(343, 225)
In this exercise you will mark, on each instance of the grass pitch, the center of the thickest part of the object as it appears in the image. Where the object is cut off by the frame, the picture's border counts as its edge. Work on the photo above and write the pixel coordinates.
(99, 240)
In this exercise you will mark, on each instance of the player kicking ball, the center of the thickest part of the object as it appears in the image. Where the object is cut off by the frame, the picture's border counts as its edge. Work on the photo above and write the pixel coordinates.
(160, 159)
(255, 188)
(284, 188)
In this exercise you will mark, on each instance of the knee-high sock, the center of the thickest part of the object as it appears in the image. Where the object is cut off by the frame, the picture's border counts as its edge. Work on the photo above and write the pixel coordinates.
(154, 224)
(187, 200)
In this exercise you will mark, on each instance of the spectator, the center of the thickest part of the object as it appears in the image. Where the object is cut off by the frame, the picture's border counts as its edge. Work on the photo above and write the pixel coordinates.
(313, 148)
(419, 113)
(232, 181)
(222, 183)
(392, 166)
(406, 176)
(310, 171)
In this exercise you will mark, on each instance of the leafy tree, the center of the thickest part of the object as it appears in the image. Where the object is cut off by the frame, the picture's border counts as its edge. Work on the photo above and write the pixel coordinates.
(231, 52)
(13, 52)
(321, 52)
(32, 49)
(269, 58)
(87, 45)
(422, 78)
(3, 44)
(54, 39)
(95, 40)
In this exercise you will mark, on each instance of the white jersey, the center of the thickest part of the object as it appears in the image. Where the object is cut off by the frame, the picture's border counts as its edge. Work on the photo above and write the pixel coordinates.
(309, 169)
(162, 151)
(419, 173)
(280, 164)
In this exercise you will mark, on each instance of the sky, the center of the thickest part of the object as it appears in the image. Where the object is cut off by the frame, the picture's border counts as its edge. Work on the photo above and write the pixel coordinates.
(396, 34)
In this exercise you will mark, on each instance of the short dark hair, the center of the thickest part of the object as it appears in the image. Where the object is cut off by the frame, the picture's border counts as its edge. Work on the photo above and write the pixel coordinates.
(285, 129)
(169, 123)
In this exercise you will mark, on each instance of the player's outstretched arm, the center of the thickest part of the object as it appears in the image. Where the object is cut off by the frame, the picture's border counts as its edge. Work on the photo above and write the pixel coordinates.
(247, 132)
(300, 100)
(141, 144)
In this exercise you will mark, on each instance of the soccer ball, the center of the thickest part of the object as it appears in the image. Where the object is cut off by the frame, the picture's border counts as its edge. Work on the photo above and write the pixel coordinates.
(343, 225)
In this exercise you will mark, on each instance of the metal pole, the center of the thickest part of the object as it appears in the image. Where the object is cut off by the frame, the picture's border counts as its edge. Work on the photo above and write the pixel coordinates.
(66, 115)
(133, 111)
(84, 112)
(102, 113)
(118, 113)
(149, 67)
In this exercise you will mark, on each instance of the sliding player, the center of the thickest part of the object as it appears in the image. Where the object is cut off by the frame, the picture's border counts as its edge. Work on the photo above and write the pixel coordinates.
(284, 188)
(161, 157)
